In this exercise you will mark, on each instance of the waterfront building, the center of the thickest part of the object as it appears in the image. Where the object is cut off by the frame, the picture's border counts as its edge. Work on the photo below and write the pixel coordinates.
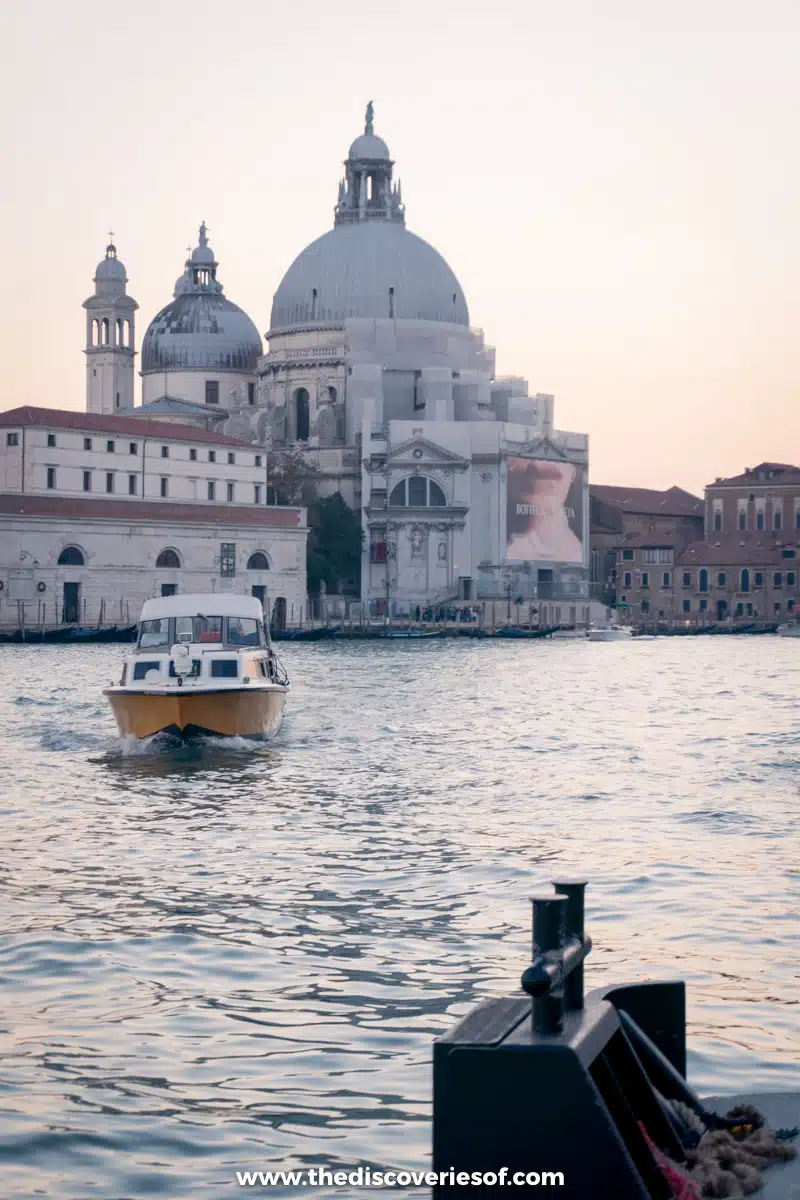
(745, 568)
(100, 512)
(641, 518)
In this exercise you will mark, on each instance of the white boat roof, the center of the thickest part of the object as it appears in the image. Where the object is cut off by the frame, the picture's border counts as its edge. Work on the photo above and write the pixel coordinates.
(212, 605)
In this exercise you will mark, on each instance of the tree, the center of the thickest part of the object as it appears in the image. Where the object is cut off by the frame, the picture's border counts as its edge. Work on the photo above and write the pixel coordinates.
(334, 545)
(291, 476)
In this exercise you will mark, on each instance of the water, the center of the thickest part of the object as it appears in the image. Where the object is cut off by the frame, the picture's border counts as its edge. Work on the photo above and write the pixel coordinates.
(232, 958)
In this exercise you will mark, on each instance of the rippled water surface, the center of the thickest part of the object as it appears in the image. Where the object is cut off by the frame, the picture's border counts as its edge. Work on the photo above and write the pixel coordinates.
(234, 958)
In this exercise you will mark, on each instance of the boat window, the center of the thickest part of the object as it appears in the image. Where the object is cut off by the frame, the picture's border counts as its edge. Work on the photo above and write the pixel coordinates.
(195, 671)
(200, 629)
(140, 669)
(242, 631)
(224, 668)
(154, 633)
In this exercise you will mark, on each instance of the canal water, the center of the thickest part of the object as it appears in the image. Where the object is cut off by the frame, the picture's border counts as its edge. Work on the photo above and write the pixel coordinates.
(230, 958)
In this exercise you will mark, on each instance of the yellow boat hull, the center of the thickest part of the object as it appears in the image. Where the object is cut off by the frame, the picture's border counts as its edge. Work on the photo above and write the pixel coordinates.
(229, 712)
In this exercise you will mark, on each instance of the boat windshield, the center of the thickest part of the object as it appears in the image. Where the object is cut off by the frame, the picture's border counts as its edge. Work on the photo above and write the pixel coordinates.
(154, 633)
(242, 631)
(202, 629)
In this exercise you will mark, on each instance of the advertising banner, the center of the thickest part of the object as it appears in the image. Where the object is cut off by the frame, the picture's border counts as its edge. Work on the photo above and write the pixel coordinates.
(544, 518)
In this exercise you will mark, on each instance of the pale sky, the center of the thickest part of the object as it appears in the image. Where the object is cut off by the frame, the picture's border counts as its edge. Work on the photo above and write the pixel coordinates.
(616, 185)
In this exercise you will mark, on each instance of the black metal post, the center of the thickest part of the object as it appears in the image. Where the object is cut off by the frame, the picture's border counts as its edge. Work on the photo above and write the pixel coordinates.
(574, 890)
(549, 927)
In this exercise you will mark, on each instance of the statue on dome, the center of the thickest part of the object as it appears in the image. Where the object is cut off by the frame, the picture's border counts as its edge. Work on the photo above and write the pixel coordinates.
(203, 238)
(369, 118)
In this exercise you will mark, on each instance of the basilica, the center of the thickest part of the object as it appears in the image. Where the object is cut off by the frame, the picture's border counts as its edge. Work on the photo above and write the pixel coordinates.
(370, 364)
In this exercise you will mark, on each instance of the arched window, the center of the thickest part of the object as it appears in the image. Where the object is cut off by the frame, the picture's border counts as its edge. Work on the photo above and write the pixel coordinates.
(128, 341)
(302, 416)
(104, 332)
(120, 332)
(168, 558)
(703, 580)
(745, 584)
(71, 556)
(95, 332)
(258, 562)
(417, 492)
(332, 394)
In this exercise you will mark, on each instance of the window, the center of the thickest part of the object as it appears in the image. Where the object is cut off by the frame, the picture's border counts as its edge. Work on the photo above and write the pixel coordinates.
(224, 668)
(109, 447)
(154, 633)
(212, 391)
(117, 399)
(744, 585)
(212, 456)
(132, 485)
(243, 631)
(251, 394)
(258, 460)
(71, 556)
(51, 439)
(192, 454)
(789, 552)
(657, 554)
(687, 578)
(165, 451)
(627, 580)
(87, 481)
(417, 492)
(231, 459)
(777, 579)
(777, 606)
(377, 545)
(168, 558)
(717, 522)
(687, 605)
(760, 519)
(790, 578)
(645, 606)
(742, 519)
(703, 581)
(140, 668)
(227, 559)
(12, 439)
(211, 490)
(758, 580)
(722, 579)
(230, 491)
(169, 589)
(87, 443)
(258, 561)
(777, 519)
(200, 629)
(257, 493)
(164, 486)
(703, 605)
(645, 579)
(109, 481)
(133, 448)
(302, 415)
(740, 609)
(666, 580)
(51, 477)
(797, 519)
(627, 556)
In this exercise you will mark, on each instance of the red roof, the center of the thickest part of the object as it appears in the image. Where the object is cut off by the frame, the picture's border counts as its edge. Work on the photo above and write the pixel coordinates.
(673, 502)
(778, 474)
(64, 418)
(76, 508)
(733, 550)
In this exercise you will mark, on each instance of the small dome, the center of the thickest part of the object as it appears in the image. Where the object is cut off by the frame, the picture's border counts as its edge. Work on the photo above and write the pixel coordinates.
(202, 254)
(201, 329)
(352, 269)
(110, 267)
(369, 145)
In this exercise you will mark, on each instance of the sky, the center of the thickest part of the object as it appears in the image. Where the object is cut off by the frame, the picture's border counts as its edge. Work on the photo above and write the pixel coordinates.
(616, 185)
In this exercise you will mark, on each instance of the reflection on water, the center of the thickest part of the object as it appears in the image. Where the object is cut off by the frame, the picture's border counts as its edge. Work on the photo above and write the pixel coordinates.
(221, 956)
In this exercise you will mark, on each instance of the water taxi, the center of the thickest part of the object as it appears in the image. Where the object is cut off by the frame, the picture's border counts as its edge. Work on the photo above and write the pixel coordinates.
(204, 666)
(609, 633)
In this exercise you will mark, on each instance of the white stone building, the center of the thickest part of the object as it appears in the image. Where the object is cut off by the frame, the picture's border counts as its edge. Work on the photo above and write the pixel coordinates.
(100, 512)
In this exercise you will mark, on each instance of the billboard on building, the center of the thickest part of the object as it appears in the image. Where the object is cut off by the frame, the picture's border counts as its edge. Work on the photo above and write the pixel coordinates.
(544, 516)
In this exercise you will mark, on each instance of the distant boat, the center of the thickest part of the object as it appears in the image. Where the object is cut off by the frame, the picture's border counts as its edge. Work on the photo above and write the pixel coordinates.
(609, 633)
(790, 629)
(305, 635)
(404, 634)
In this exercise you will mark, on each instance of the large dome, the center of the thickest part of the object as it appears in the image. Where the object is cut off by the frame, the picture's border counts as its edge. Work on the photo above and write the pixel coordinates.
(201, 329)
(352, 269)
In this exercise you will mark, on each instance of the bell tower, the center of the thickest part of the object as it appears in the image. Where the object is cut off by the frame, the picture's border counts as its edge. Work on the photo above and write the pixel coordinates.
(110, 338)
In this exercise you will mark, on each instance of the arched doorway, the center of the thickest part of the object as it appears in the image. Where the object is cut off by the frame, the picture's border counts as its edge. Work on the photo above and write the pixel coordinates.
(302, 416)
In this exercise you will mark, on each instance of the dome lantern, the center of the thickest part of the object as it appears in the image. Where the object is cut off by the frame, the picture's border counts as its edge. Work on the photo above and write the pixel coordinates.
(367, 193)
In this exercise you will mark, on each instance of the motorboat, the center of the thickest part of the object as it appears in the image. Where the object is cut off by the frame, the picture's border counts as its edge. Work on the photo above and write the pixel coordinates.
(790, 629)
(608, 633)
(203, 666)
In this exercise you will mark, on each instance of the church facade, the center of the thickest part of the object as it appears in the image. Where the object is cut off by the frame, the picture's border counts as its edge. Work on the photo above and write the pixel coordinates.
(371, 366)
